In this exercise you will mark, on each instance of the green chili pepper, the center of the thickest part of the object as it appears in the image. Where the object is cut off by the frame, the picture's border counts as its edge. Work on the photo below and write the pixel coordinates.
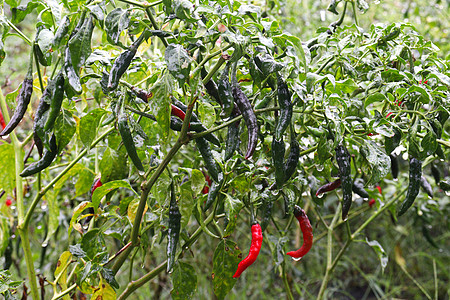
(122, 63)
(415, 174)
(266, 213)
(358, 188)
(426, 186)
(174, 229)
(44, 162)
(436, 174)
(285, 103)
(211, 87)
(214, 191)
(247, 112)
(264, 102)
(426, 234)
(278, 151)
(225, 93)
(128, 142)
(343, 161)
(72, 80)
(22, 100)
(233, 141)
(55, 106)
(293, 157)
(210, 164)
(8, 255)
(61, 32)
(40, 116)
(394, 165)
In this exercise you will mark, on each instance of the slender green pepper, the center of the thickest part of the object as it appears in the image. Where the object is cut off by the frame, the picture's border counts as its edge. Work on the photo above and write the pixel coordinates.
(415, 173)
(40, 116)
(343, 161)
(128, 142)
(247, 112)
(225, 93)
(8, 255)
(55, 106)
(122, 63)
(214, 191)
(436, 174)
(293, 157)
(266, 213)
(394, 165)
(285, 103)
(61, 32)
(358, 188)
(426, 186)
(45, 161)
(211, 87)
(210, 164)
(22, 100)
(174, 229)
(233, 141)
(71, 76)
(278, 151)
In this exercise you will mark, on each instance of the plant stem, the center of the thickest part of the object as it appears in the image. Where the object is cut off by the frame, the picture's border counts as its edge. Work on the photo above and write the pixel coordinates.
(21, 34)
(154, 24)
(286, 283)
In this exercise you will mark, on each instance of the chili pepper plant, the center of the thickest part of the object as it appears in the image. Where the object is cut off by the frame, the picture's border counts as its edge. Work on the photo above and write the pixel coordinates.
(127, 107)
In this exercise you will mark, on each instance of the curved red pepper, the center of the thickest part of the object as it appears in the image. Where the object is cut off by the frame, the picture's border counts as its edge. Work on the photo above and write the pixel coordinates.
(257, 239)
(2, 122)
(207, 185)
(97, 183)
(177, 112)
(306, 228)
(329, 187)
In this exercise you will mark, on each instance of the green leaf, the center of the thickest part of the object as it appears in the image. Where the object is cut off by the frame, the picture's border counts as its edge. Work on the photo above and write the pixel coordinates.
(84, 182)
(159, 103)
(113, 165)
(184, 280)
(91, 243)
(225, 261)
(116, 22)
(45, 43)
(374, 98)
(101, 191)
(380, 253)
(76, 213)
(65, 128)
(89, 126)
(19, 13)
(186, 203)
(207, 114)
(379, 162)
(183, 9)
(425, 96)
(429, 143)
(232, 207)
(178, 62)
(80, 43)
(53, 215)
(7, 168)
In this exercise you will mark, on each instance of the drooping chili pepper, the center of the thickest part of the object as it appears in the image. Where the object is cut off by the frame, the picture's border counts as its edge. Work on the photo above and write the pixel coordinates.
(40, 116)
(208, 183)
(394, 165)
(445, 185)
(379, 189)
(174, 229)
(122, 62)
(225, 93)
(214, 191)
(210, 164)
(141, 94)
(46, 160)
(23, 99)
(415, 173)
(343, 161)
(426, 186)
(293, 157)
(61, 32)
(266, 214)
(371, 202)
(328, 187)
(211, 87)
(128, 142)
(306, 228)
(233, 141)
(247, 112)
(358, 188)
(175, 111)
(195, 123)
(55, 105)
(427, 236)
(97, 183)
(285, 103)
(436, 174)
(8, 255)
(278, 151)
(255, 247)
(2, 122)
(90, 210)
(72, 79)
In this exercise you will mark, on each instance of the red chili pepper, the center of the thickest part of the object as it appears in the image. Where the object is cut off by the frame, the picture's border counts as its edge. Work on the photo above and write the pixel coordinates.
(372, 134)
(207, 185)
(306, 228)
(8, 202)
(2, 122)
(97, 183)
(425, 82)
(387, 116)
(329, 187)
(371, 202)
(379, 188)
(257, 239)
(177, 112)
